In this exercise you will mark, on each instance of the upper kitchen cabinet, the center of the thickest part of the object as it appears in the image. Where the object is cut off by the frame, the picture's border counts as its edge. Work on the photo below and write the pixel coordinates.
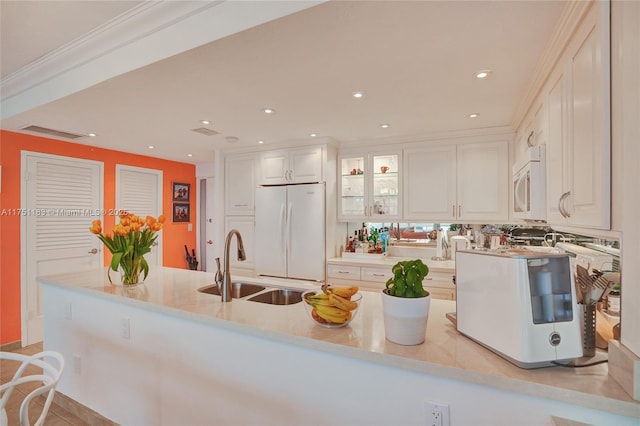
(464, 182)
(240, 183)
(296, 165)
(579, 145)
(369, 187)
(430, 183)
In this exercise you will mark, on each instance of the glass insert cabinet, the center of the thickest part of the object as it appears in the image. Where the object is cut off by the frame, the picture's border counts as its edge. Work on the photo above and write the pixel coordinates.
(370, 187)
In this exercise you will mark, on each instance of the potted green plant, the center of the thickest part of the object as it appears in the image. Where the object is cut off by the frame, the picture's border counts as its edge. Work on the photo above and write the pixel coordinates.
(405, 303)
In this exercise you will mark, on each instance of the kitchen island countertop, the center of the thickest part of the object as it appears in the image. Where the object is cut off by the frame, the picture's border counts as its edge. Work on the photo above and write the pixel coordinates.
(445, 353)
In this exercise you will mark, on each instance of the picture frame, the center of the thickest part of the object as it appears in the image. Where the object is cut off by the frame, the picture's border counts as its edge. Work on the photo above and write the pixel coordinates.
(181, 191)
(181, 212)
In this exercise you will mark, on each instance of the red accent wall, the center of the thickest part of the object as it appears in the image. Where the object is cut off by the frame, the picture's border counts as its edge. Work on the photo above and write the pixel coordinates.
(175, 235)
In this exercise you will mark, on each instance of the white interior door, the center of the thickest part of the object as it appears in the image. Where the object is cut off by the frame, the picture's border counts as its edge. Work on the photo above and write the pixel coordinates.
(139, 191)
(207, 252)
(61, 196)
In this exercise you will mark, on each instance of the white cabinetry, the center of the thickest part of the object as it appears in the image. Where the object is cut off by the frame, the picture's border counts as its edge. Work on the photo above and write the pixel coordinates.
(467, 182)
(374, 278)
(369, 187)
(246, 226)
(240, 184)
(578, 155)
(297, 165)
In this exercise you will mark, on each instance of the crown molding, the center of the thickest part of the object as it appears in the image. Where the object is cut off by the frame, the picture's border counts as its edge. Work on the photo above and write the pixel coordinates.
(572, 15)
(149, 32)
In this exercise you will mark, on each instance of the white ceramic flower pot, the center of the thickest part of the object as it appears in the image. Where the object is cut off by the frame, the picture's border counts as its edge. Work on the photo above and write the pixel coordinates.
(405, 319)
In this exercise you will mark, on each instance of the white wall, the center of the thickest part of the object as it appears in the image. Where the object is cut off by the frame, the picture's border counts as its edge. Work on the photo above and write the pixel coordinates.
(176, 371)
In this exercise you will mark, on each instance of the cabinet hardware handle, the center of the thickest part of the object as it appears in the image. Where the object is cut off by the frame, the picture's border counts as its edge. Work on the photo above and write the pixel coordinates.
(529, 143)
(209, 242)
(378, 275)
(459, 208)
(343, 272)
(453, 210)
(561, 208)
(93, 251)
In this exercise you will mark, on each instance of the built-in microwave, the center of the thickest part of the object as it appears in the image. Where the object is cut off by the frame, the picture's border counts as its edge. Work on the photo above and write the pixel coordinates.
(529, 186)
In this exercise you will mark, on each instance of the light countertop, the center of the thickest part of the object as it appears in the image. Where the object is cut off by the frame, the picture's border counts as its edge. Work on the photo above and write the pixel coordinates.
(379, 260)
(445, 353)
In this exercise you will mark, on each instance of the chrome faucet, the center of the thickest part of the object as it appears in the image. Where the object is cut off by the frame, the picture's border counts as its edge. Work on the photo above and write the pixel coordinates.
(223, 279)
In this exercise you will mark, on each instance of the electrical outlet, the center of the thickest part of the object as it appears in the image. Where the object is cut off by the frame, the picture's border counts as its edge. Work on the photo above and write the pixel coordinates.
(125, 328)
(77, 364)
(437, 414)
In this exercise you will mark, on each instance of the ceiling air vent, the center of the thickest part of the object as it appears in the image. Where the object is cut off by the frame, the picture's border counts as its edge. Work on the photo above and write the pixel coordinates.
(53, 132)
(205, 131)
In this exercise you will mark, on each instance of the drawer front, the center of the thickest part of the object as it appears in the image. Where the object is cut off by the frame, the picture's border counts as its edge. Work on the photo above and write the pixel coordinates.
(343, 271)
(380, 275)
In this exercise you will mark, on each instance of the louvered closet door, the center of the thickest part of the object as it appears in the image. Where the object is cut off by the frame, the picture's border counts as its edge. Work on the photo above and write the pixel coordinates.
(139, 191)
(61, 196)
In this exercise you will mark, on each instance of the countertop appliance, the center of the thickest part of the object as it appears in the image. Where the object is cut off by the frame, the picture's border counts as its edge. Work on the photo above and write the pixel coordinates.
(529, 186)
(289, 231)
(519, 303)
(588, 258)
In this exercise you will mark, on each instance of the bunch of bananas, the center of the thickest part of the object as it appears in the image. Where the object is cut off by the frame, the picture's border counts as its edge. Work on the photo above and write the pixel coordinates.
(333, 305)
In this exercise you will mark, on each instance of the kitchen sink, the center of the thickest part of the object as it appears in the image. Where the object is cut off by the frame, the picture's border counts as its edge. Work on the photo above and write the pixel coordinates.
(278, 296)
(238, 289)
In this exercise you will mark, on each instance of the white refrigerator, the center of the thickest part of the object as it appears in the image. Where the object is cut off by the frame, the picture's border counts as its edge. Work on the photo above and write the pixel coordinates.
(290, 231)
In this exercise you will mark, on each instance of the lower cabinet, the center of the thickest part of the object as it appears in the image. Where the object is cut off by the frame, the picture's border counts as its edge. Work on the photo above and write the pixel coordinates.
(374, 278)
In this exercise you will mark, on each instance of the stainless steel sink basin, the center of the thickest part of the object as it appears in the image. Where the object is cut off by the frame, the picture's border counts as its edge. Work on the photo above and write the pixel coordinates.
(278, 296)
(238, 289)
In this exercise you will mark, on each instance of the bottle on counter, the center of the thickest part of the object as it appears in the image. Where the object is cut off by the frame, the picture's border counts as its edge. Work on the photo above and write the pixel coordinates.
(613, 301)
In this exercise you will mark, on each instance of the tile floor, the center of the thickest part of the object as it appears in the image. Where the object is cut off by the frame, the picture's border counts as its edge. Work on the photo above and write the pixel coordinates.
(57, 416)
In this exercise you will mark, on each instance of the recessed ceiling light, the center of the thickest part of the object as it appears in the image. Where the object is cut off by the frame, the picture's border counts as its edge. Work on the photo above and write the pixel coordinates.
(231, 139)
(483, 74)
(358, 95)
(92, 135)
(313, 135)
(384, 126)
(261, 142)
(268, 110)
(205, 121)
(189, 155)
(151, 147)
(474, 115)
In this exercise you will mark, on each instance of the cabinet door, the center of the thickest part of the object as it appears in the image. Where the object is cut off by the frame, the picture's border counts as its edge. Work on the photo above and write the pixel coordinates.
(482, 183)
(240, 184)
(351, 188)
(430, 183)
(274, 167)
(556, 93)
(305, 165)
(385, 184)
(589, 106)
(244, 225)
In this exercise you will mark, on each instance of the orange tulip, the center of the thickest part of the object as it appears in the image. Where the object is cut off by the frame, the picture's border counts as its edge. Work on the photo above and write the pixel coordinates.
(96, 227)
(121, 230)
(161, 218)
(156, 226)
(135, 226)
(108, 236)
(150, 220)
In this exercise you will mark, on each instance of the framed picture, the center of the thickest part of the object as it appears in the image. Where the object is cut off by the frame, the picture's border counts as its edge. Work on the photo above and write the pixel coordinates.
(181, 191)
(181, 212)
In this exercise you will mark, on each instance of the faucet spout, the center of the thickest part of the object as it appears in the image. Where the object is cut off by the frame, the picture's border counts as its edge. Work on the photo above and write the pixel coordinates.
(225, 291)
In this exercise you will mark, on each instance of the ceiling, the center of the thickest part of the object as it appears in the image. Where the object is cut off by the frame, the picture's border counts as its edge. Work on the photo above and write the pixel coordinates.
(413, 60)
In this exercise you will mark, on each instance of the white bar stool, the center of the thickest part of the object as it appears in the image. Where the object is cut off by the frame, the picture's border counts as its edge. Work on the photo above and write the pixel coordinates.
(51, 363)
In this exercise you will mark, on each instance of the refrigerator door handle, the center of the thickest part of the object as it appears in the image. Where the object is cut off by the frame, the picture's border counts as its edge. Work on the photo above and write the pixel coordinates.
(289, 210)
(283, 237)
